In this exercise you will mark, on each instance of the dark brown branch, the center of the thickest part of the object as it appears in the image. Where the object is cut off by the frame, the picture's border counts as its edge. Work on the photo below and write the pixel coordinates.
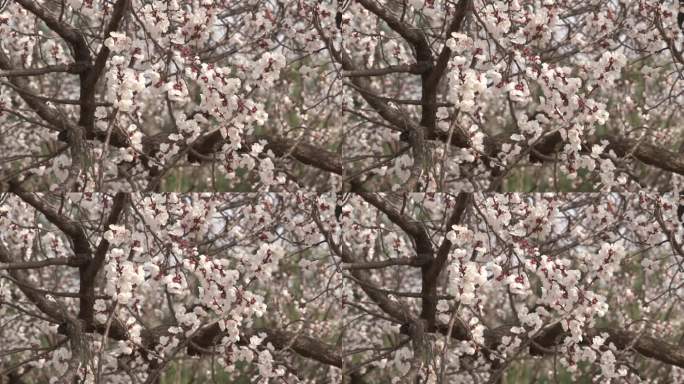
(646, 345)
(88, 271)
(305, 153)
(410, 261)
(52, 292)
(416, 134)
(400, 122)
(431, 79)
(412, 228)
(417, 69)
(642, 150)
(306, 346)
(88, 265)
(641, 343)
(301, 151)
(25, 93)
(431, 271)
(90, 78)
(395, 100)
(303, 345)
(49, 115)
(64, 30)
(75, 134)
(70, 261)
(74, 68)
(648, 153)
(49, 308)
(412, 35)
(81, 246)
(396, 310)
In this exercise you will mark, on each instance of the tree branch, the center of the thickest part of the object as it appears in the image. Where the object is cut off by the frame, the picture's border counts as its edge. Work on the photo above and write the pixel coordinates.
(70, 261)
(64, 30)
(391, 307)
(413, 229)
(90, 77)
(81, 246)
(431, 79)
(641, 343)
(49, 308)
(413, 35)
(74, 68)
(299, 150)
(410, 261)
(89, 270)
(417, 69)
(431, 271)
(303, 345)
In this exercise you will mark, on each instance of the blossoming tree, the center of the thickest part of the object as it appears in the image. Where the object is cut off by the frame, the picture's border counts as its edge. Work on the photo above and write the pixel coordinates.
(369, 138)
(419, 95)
(359, 288)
